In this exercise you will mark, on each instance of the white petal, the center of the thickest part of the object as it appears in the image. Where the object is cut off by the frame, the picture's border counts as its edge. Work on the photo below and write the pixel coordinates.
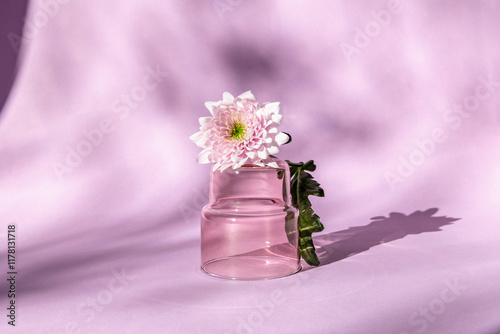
(241, 163)
(202, 142)
(259, 163)
(196, 136)
(281, 138)
(224, 167)
(263, 112)
(211, 106)
(273, 108)
(273, 164)
(199, 139)
(203, 157)
(273, 130)
(268, 140)
(251, 155)
(205, 120)
(216, 166)
(273, 150)
(263, 153)
(277, 118)
(247, 96)
(227, 98)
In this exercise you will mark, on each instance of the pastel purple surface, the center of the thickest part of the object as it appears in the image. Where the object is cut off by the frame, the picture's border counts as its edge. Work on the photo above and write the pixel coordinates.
(398, 104)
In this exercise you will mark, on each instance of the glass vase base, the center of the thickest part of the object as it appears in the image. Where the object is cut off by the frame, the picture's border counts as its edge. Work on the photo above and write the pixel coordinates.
(251, 267)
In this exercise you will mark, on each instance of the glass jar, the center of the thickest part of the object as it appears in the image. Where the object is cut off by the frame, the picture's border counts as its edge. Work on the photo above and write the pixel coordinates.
(249, 228)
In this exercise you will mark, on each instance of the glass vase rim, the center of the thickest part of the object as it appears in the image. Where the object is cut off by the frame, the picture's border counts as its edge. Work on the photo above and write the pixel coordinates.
(281, 163)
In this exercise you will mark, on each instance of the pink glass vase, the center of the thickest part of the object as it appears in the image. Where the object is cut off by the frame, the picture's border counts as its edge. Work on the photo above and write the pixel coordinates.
(249, 228)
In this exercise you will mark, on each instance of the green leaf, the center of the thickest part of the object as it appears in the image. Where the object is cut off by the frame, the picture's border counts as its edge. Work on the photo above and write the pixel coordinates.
(303, 185)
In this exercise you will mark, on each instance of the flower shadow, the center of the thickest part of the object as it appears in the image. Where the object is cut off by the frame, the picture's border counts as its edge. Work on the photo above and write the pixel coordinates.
(336, 246)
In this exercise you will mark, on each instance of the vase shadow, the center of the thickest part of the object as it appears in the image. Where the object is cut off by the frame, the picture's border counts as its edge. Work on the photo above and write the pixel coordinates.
(336, 246)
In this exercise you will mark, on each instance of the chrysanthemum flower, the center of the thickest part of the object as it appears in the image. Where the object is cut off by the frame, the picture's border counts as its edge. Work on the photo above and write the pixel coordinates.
(240, 131)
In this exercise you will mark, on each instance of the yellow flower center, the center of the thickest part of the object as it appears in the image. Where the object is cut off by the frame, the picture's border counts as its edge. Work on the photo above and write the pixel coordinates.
(238, 131)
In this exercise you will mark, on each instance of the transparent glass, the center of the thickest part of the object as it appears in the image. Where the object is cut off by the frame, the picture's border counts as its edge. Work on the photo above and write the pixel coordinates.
(249, 228)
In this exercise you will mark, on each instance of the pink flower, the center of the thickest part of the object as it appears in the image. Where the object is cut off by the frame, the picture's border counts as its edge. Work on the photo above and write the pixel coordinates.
(240, 131)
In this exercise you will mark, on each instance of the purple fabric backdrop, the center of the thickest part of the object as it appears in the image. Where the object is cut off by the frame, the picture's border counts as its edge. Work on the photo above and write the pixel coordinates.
(398, 104)
(11, 24)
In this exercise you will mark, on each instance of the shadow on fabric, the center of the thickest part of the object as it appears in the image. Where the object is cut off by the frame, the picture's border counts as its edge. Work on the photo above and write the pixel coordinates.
(12, 14)
(354, 240)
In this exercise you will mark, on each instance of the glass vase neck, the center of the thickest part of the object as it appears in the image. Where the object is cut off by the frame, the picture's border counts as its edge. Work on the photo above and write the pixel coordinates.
(251, 182)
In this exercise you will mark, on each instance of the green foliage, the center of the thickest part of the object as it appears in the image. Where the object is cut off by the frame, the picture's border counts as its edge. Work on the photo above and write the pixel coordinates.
(303, 185)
